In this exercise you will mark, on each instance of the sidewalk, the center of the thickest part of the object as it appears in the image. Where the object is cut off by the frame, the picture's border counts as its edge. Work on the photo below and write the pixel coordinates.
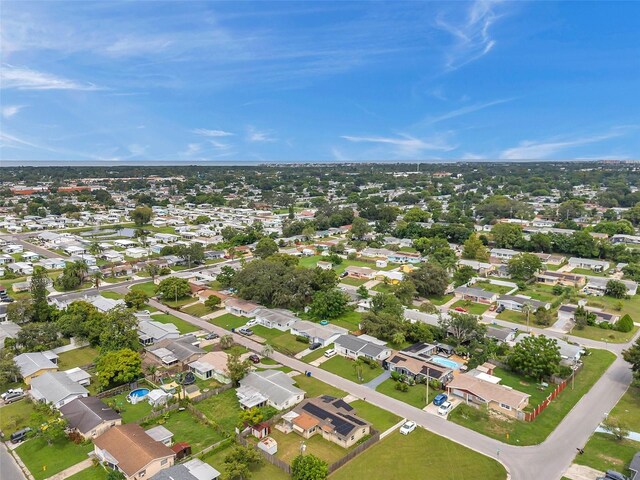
(216, 314)
(78, 467)
(581, 472)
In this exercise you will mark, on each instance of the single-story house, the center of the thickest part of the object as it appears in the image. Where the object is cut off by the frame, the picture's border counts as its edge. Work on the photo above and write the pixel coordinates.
(626, 239)
(151, 331)
(333, 418)
(500, 334)
(181, 351)
(569, 353)
(194, 469)
(241, 308)
(277, 318)
(568, 312)
(115, 449)
(360, 272)
(56, 389)
(549, 277)
(323, 334)
(394, 277)
(482, 268)
(598, 285)
(268, 387)
(503, 254)
(90, 416)
(211, 365)
(478, 295)
(79, 375)
(32, 365)
(589, 263)
(475, 391)
(418, 316)
(354, 347)
(405, 257)
(418, 368)
(517, 302)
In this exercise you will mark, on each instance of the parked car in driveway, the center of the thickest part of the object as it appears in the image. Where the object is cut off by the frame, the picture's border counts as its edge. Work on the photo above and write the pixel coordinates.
(20, 435)
(408, 427)
(10, 391)
(460, 309)
(315, 346)
(330, 353)
(254, 358)
(211, 336)
(245, 331)
(13, 397)
(500, 309)
(440, 399)
(445, 408)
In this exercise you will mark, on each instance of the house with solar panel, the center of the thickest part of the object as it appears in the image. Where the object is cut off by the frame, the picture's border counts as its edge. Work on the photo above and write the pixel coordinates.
(331, 417)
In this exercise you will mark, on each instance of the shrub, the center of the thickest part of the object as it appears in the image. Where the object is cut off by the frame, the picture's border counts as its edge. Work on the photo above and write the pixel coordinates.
(625, 324)
(564, 371)
(302, 339)
(604, 325)
(402, 387)
(395, 376)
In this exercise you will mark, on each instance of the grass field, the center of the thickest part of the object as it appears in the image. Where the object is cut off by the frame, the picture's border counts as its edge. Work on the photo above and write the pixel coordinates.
(630, 306)
(524, 385)
(188, 428)
(283, 342)
(77, 358)
(381, 419)
(16, 416)
(440, 300)
(471, 307)
(515, 317)
(628, 409)
(130, 413)
(198, 310)
(532, 433)
(603, 452)
(222, 409)
(229, 321)
(611, 336)
(266, 471)
(420, 454)
(317, 353)
(44, 460)
(289, 447)
(112, 295)
(415, 396)
(354, 282)
(91, 473)
(350, 320)
(315, 388)
(149, 288)
(345, 368)
(183, 326)
(310, 262)
(490, 287)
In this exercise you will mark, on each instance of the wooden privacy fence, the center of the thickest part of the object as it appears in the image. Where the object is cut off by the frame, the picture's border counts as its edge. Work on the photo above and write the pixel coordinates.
(531, 416)
(375, 437)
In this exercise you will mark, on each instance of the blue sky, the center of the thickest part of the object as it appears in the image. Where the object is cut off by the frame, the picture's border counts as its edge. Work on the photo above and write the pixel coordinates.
(234, 82)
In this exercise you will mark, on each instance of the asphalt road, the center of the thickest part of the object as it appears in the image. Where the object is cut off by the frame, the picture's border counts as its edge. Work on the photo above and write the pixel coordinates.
(546, 461)
(9, 469)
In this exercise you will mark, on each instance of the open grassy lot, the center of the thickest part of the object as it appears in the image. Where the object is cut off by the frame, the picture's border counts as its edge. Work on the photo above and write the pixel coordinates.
(355, 282)
(415, 396)
(149, 288)
(266, 471)
(77, 358)
(440, 299)
(283, 342)
(198, 310)
(588, 271)
(603, 452)
(630, 306)
(345, 368)
(188, 428)
(524, 385)
(92, 473)
(539, 291)
(611, 336)
(490, 287)
(289, 447)
(515, 317)
(16, 416)
(628, 409)
(181, 302)
(112, 295)
(531, 433)
(381, 419)
(130, 413)
(350, 320)
(310, 262)
(222, 409)
(183, 327)
(229, 321)
(471, 307)
(315, 387)
(403, 456)
(44, 460)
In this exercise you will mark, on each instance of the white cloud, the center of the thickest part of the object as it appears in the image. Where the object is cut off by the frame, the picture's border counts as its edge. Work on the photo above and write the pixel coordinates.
(219, 145)
(463, 111)
(212, 133)
(192, 149)
(254, 135)
(404, 144)
(10, 110)
(534, 150)
(27, 79)
(472, 39)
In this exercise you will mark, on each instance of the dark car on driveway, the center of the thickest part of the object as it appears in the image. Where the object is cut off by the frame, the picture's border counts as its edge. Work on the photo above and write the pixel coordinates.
(440, 399)
(254, 358)
(500, 309)
(211, 336)
(315, 346)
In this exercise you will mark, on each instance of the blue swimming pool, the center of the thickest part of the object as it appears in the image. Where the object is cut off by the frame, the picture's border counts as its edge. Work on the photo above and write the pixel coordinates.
(445, 362)
(137, 395)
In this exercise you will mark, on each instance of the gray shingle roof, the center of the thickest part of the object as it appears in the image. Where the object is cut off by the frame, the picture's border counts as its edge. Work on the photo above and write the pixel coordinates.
(84, 414)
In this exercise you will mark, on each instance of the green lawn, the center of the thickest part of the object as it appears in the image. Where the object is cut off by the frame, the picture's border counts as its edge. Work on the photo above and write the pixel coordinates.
(130, 413)
(16, 416)
(311, 261)
(112, 295)
(589, 272)
(524, 385)
(188, 428)
(597, 333)
(197, 310)
(283, 342)
(92, 473)
(316, 354)
(316, 388)
(289, 447)
(440, 299)
(181, 302)
(383, 288)
(229, 321)
(532, 433)
(222, 409)
(420, 454)
(538, 291)
(381, 419)
(149, 288)
(490, 287)
(628, 409)
(350, 320)
(44, 460)
(515, 317)
(345, 368)
(266, 471)
(77, 358)
(471, 307)
(603, 452)
(630, 306)
(355, 282)
(183, 326)
(415, 396)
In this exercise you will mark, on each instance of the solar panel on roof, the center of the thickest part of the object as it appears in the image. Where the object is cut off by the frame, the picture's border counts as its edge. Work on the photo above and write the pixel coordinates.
(342, 404)
(355, 420)
(342, 426)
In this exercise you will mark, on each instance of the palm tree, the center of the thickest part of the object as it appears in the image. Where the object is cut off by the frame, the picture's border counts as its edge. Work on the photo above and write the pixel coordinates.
(267, 351)
(97, 278)
(358, 364)
(527, 309)
(153, 270)
(94, 248)
(81, 269)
